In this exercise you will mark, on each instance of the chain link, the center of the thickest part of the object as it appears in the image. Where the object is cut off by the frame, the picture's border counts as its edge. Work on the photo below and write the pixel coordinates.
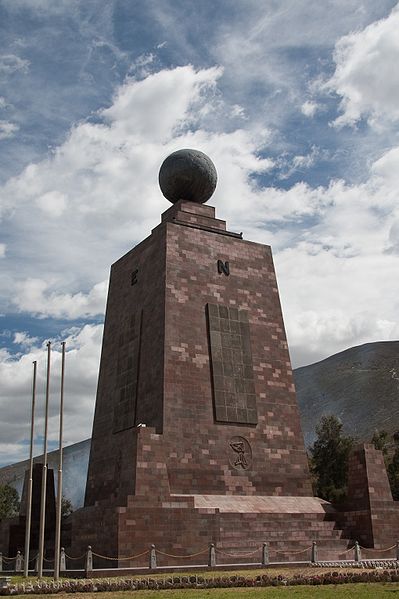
(75, 558)
(121, 559)
(381, 550)
(238, 554)
(349, 550)
(182, 556)
(295, 552)
(9, 559)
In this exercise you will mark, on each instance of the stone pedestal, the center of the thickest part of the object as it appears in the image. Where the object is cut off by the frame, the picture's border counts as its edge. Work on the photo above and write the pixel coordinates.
(370, 515)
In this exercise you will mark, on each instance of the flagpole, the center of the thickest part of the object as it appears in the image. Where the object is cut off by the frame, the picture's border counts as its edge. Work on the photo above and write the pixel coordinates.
(59, 484)
(44, 474)
(30, 480)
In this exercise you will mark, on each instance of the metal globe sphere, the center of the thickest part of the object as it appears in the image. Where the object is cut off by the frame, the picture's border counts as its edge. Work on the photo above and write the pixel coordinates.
(187, 175)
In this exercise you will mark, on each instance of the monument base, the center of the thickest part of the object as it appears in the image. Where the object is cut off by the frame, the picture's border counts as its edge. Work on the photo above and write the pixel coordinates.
(183, 526)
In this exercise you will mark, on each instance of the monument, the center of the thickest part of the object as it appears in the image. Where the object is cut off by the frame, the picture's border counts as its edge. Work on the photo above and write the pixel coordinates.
(12, 530)
(196, 435)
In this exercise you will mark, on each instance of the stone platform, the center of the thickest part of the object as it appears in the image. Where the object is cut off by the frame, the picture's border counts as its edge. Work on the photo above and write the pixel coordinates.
(185, 524)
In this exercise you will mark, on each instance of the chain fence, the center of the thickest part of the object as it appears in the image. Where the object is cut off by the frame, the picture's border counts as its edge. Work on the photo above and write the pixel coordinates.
(90, 561)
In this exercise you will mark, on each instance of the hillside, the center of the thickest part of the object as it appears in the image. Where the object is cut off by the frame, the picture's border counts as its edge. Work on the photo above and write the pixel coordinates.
(359, 385)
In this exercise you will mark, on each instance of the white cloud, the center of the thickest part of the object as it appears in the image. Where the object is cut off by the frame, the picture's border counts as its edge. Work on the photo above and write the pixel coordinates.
(97, 195)
(366, 74)
(34, 296)
(81, 367)
(24, 339)
(386, 173)
(238, 111)
(52, 202)
(7, 129)
(2, 250)
(299, 163)
(309, 108)
(10, 63)
(40, 6)
(337, 275)
(258, 41)
(136, 108)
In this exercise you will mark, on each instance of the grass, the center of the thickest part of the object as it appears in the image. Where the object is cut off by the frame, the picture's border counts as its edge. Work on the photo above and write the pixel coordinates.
(347, 591)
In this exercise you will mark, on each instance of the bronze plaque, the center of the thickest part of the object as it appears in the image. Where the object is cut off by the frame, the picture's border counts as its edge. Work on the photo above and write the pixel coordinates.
(231, 365)
(240, 454)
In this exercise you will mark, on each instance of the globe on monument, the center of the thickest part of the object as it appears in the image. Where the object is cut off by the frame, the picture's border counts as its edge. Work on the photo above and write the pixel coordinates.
(187, 175)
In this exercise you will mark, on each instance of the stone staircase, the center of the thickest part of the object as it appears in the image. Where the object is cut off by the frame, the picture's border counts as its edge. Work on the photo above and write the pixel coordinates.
(288, 524)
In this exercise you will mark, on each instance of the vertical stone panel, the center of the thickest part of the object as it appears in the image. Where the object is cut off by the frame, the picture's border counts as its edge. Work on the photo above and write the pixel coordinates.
(128, 375)
(231, 365)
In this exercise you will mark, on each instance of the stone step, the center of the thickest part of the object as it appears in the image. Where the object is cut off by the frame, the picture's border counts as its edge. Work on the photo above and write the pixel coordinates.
(291, 543)
(271, 527)
(283, 550)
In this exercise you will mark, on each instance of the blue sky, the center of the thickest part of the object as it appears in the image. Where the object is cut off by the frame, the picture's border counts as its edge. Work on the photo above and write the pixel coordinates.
(295, 102)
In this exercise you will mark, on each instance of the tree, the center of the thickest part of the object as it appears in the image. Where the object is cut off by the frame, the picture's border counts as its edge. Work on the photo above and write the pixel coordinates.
(9, 502)
(393, 473)
(380, 441)
(390, 449)
(66, 507)
(329, 459)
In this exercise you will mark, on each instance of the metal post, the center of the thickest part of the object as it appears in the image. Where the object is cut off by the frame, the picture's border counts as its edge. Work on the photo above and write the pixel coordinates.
(212, 556)
(30, 481)
(59, 483)
(265, 554)
(358, 556)
(313, 558)
(18, 562)
(44, 474)
(89, 561)
(153, 558)
(37, 563)
(62, 560)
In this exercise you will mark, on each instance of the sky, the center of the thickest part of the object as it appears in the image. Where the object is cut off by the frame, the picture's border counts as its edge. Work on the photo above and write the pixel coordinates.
(295, 101)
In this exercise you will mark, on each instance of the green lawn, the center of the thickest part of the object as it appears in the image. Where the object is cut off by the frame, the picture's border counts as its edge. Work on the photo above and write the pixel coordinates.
(347, 591)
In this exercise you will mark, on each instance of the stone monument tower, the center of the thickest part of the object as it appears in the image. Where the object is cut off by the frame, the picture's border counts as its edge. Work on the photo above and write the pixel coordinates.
(196, 434)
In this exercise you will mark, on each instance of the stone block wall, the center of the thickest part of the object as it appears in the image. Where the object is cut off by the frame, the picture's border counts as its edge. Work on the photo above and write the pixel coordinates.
(370, 514)
(194, 347)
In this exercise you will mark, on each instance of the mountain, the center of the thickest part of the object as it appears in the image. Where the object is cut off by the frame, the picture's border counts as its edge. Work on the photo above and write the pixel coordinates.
(359, 385)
